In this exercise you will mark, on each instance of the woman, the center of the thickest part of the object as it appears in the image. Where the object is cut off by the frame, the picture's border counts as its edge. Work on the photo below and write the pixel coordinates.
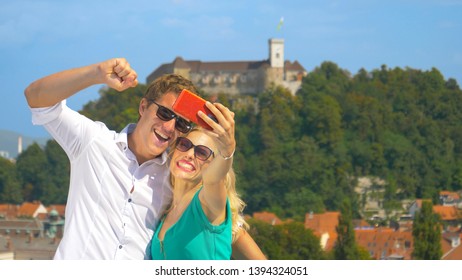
(204, 217)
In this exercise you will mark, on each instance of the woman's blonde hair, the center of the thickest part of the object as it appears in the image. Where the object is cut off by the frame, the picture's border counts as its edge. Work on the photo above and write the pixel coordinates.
(236, 204)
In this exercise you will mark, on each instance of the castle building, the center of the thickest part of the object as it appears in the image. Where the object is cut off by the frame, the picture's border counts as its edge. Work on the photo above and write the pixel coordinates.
(238, 77)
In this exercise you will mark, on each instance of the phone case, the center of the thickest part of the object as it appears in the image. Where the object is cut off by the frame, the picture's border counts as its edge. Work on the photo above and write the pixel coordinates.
(188, 104)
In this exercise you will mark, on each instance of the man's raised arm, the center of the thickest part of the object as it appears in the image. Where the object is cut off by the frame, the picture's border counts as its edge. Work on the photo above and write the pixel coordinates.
(52, 89)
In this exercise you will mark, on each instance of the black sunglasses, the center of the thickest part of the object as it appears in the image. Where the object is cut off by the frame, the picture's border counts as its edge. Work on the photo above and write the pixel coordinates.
(166, 114)
(200, 151)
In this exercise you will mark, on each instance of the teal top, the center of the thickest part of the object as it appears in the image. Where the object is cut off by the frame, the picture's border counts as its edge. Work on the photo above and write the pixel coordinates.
(193, 237)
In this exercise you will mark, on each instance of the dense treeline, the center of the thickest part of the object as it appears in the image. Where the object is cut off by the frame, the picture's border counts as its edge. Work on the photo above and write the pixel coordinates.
(303, 153)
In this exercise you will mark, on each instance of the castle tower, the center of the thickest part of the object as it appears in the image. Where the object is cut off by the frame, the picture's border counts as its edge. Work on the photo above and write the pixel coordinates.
(276, 52)
(275, 73)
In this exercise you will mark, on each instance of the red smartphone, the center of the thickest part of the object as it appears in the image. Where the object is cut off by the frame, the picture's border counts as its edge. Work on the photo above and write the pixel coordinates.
(188, 104)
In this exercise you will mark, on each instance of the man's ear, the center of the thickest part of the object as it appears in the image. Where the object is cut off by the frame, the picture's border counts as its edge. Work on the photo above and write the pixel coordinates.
(144, 104)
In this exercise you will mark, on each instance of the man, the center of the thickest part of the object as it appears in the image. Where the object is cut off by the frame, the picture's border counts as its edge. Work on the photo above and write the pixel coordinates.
(119, 184)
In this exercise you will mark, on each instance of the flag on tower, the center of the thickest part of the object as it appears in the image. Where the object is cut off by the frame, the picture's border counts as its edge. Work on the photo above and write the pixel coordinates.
(281, 22)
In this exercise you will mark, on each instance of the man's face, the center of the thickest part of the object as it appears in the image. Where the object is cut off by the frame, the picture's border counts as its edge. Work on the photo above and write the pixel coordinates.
(155, 135)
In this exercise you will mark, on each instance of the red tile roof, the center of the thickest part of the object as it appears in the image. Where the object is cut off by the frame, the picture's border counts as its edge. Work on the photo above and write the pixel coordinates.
(449, 194)
(28, 208)
(325, 222)
(324, 225)
(450, 252)
(198, 66)
(9, 211)
(447, 213)
(293, 66)
(267, 217)
(384, 243)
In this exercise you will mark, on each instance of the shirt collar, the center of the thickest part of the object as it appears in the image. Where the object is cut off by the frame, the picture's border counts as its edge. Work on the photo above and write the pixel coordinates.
(122, 138)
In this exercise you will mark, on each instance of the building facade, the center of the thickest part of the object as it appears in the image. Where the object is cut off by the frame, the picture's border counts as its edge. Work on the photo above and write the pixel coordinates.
(238, 77)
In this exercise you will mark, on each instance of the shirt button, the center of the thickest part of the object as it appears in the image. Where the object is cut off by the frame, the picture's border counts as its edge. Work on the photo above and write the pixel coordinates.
(120, 246)
(129, 200)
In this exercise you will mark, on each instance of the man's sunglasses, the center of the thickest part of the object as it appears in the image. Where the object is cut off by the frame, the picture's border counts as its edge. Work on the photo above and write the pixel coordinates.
(166, 114)
(200, 151)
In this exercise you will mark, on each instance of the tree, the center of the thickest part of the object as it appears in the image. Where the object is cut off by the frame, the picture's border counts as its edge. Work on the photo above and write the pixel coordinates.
(10, 188)
(426, 232)
(346, 248)
(322, 119)
(279, 120)
(32, 166)
(288, 241)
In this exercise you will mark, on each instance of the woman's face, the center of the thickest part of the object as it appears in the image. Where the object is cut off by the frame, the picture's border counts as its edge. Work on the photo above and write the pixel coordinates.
(188, 161)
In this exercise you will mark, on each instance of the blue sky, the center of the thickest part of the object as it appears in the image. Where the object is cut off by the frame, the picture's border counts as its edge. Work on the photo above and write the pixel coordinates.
(38, 38)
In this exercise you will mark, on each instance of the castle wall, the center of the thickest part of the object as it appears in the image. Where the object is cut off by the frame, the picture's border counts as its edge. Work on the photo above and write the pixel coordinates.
(229, 82)
(274, 76)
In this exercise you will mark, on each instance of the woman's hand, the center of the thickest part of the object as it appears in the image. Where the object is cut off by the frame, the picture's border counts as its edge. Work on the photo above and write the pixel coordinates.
(223, 130)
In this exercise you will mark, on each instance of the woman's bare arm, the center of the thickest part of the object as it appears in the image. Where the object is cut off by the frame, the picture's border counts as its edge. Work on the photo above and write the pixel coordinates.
(245, 248)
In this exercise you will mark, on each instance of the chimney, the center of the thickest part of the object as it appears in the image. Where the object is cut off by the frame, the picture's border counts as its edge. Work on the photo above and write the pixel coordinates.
(19, 145)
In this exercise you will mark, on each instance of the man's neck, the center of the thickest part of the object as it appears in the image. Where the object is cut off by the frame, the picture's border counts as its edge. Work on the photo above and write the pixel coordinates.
(132, 141)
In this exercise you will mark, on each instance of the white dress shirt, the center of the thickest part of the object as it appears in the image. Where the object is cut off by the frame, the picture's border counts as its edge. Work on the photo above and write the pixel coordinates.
(103, 219)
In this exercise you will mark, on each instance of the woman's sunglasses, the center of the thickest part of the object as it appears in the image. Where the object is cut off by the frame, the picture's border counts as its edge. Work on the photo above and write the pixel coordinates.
(166, 114)
(200, 151)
